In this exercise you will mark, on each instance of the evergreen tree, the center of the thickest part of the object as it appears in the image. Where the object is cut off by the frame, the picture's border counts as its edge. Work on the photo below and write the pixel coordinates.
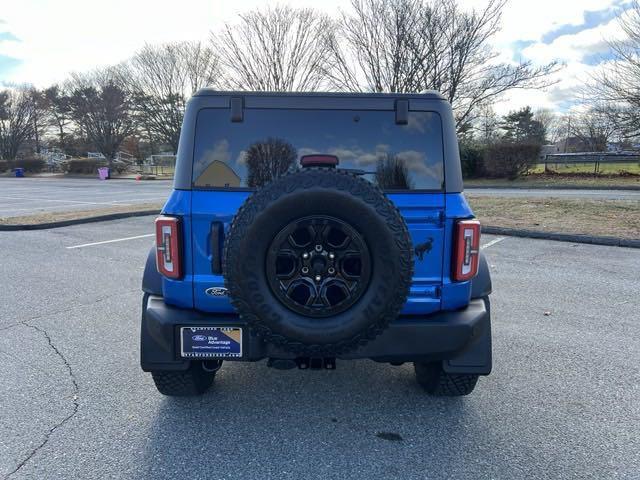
(520, 127)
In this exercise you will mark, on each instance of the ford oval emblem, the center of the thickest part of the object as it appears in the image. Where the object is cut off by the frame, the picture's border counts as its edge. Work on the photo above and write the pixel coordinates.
(216, 292)
(199, 338)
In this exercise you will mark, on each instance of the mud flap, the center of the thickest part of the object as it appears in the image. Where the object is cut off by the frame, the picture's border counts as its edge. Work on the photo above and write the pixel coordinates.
(477, 357)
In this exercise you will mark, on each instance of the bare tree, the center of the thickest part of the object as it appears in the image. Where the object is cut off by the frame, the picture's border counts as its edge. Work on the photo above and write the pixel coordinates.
(392, 173)
(376, 48)
(552, 123)
(162, 78)
(39, 116)
(277, 49)
(487, 125)
(269, 159)
(594, 128)
(16, 120)
(102, 108)
(618, 82)
(416, 45)
(58, 112)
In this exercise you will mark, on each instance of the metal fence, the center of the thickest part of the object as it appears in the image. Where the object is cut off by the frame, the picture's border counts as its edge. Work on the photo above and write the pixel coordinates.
(593, 158)
(160, 164)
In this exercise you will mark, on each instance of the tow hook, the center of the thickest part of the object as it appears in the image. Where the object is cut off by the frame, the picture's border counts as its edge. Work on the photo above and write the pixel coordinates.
(303, 363)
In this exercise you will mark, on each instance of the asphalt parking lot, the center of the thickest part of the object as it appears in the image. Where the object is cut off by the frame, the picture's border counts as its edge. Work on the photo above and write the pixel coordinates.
(28, 196)
(562, 402)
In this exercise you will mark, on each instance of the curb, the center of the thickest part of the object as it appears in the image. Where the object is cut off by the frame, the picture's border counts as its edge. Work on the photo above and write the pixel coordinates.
(632, 188)
(87, 177)
(562, 237)
(76, 221)
(492, 230)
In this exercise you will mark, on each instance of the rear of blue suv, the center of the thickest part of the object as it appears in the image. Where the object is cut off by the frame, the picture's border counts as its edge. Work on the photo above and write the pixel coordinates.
(305, 228)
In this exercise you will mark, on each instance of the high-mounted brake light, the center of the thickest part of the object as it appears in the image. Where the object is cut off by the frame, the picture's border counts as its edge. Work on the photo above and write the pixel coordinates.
(319, 160)
(466, 249)
(169, 246)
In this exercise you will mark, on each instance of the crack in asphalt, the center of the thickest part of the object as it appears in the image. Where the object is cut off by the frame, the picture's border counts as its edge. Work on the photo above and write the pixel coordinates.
(76, 404)
(70, 308)
(76, 388)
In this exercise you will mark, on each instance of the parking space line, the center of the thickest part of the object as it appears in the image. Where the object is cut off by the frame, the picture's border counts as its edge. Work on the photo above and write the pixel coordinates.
(111, 241)
(40, 208)
(60, 201)
(492, 242)
(150, 197)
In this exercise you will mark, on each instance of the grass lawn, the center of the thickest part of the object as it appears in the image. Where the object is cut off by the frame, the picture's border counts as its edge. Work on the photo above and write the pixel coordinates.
(555, 180)
(603, 168)
(614, 218)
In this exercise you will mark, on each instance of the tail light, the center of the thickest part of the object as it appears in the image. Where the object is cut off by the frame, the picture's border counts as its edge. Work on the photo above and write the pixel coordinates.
(466, 249)
(169, 246)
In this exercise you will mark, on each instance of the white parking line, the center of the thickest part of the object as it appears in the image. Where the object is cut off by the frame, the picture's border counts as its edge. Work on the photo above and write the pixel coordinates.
(150, 197)
(40, 208)
(56, 200)
(110, 241)
(492, 242)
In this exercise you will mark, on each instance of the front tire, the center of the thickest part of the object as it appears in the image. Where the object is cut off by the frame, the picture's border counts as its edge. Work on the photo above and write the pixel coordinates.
(437, 382)
(193, 381)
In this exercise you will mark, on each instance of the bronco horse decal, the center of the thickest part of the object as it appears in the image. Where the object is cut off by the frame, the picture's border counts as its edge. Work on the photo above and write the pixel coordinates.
(423, 248)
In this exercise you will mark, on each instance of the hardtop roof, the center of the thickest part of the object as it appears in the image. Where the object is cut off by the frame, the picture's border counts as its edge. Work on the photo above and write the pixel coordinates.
(426, 95)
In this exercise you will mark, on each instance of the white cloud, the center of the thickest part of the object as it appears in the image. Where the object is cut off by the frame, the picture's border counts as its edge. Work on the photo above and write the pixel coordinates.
(219, 152)
(567, 89)
(573, 48)
(60, 36)
(529, 20)
(57, 37)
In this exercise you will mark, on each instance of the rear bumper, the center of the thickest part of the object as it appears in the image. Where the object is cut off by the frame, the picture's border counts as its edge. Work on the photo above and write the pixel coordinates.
(460, 339)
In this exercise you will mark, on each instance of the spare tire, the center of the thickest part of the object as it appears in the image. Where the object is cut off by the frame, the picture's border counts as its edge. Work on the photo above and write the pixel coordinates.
(318, 262)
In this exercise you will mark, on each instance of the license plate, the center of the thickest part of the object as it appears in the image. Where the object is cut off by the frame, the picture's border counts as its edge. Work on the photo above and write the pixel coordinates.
(206, 342)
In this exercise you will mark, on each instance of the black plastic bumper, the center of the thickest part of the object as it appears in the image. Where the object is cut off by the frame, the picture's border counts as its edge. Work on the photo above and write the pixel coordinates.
(461, 339)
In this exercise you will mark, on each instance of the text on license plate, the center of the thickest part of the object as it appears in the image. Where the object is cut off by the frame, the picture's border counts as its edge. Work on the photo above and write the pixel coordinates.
(206, 342)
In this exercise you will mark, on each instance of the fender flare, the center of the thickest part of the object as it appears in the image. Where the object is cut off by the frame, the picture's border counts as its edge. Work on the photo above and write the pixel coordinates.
(481, 283)
(151, 279)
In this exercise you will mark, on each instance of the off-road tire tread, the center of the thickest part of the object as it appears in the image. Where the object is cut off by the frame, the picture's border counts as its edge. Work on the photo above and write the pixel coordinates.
(440, 383)
(183, 384)
(329, 179)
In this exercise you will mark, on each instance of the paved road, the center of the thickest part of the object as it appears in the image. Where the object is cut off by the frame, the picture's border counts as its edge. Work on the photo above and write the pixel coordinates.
(558, 193)
(28, 196)
(563, 401)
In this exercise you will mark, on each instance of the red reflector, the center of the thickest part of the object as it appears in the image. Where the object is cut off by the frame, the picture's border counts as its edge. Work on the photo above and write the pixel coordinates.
(169, 246)
(466, 249)
(319, 161)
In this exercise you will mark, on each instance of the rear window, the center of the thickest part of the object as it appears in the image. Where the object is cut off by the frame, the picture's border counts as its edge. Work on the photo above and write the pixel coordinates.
(270, 142)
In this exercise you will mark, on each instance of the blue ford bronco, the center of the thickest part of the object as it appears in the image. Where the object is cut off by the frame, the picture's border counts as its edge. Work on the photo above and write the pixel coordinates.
(309, 227)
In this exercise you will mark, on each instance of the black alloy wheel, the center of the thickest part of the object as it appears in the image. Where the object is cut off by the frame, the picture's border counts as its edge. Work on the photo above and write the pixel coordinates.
(318, 266)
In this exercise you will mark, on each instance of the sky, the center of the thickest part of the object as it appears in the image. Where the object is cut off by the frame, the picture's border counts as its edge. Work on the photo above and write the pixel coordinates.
(42, 41)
